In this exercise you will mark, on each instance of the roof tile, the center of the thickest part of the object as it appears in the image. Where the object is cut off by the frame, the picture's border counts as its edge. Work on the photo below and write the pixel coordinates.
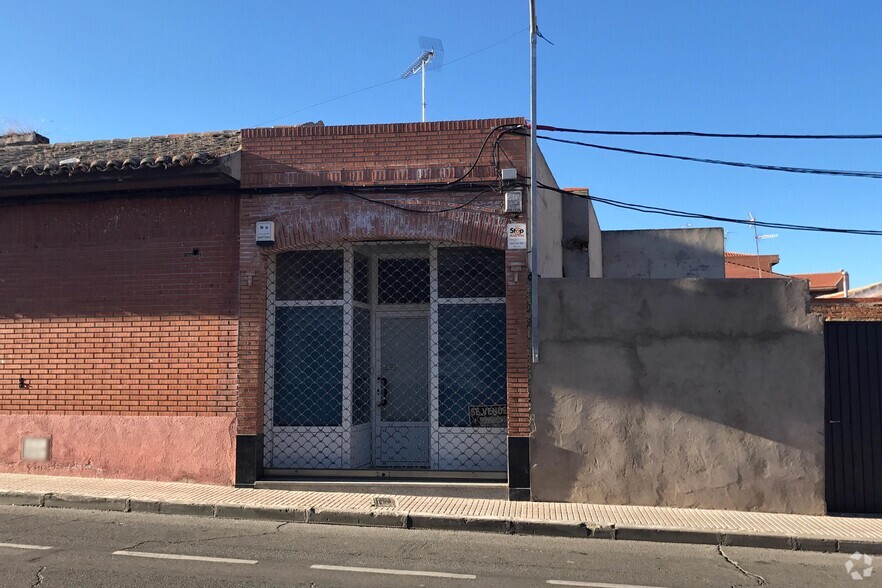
(117, 154)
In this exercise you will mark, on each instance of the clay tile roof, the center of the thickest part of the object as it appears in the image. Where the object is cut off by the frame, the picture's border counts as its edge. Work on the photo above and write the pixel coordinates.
(822, 281)
(117, 154)
(739, 270)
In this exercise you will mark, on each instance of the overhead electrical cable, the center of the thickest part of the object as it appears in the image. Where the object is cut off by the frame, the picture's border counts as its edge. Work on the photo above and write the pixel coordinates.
(695, 215)
(703, 134)
(780, 168)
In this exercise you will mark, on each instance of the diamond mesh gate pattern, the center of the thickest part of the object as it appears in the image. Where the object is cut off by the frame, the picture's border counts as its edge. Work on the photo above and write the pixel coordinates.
(386, 355)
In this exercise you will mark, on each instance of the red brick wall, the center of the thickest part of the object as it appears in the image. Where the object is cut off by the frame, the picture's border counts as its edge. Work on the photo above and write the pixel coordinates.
(375, 154)
(857, 309)
(119, 306)
(292, 157)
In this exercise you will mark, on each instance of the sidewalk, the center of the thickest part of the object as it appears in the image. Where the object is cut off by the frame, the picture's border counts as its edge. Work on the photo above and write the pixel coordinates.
(637, 523)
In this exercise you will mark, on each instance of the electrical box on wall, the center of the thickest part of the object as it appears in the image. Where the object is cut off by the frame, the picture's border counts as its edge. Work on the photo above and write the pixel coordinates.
(509, 174)
(514, 201)
(266, 233)
(35, 448)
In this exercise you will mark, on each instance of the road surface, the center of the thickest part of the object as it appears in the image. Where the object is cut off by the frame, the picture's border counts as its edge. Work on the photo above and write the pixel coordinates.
(58, 548)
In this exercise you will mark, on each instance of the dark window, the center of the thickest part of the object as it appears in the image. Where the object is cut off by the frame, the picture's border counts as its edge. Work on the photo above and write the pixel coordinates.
(309, 275)
(471, 360)
(471, 272)
(403, 281)
(308, 367)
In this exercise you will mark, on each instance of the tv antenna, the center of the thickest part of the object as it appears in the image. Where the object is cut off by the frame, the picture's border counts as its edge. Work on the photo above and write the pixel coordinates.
(431, 52)
(757, 237)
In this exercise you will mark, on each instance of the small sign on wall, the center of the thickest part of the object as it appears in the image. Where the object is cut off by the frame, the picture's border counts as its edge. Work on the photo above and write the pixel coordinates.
(517, 235)
(488, 415)
(266, 232)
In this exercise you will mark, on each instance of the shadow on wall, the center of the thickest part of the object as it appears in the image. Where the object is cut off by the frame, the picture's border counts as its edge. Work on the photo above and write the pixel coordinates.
(692, 393)
(145, 255)
(664, 253)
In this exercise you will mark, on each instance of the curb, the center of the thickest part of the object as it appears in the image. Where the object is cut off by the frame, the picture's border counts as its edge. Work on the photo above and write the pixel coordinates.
(404, 520)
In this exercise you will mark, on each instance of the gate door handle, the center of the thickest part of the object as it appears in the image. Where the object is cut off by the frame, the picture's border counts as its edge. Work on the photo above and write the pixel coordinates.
(384, 391)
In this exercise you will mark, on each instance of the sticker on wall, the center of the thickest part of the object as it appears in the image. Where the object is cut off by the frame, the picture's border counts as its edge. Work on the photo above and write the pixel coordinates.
(517, 235)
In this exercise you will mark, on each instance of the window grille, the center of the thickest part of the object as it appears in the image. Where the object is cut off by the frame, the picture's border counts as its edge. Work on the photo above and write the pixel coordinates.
(386, 355)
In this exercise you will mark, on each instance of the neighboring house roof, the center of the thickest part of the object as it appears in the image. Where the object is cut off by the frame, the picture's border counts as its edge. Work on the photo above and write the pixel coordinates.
(868, 291)
(116, 154)
(764, 262)
(823, 282)
(739, 270)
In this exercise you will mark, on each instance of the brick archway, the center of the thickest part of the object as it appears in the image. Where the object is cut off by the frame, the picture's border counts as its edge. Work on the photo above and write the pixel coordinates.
(335, 222)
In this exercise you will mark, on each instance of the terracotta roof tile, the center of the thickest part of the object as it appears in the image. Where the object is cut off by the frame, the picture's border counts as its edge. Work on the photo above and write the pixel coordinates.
(739, 270)
(822, 281)
(117, 154)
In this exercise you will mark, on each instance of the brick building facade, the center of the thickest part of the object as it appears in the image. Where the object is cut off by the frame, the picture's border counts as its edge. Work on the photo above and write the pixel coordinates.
(146, 334)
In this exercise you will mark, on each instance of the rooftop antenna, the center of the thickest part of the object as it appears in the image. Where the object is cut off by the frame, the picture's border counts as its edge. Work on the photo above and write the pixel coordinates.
(757, 237)
(431, 52)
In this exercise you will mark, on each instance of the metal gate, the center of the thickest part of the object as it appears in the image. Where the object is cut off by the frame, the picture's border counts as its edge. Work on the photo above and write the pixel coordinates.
(386, 355)
(854, 417)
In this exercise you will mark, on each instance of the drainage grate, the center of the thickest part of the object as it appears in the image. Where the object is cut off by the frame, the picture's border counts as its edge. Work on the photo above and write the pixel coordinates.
(383, 502)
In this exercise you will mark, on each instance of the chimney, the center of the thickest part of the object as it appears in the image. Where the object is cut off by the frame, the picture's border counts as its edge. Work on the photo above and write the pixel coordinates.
(15, 139)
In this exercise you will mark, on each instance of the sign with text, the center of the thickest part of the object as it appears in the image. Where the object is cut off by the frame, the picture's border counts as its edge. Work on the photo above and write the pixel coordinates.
(488, 415)
(517, 235)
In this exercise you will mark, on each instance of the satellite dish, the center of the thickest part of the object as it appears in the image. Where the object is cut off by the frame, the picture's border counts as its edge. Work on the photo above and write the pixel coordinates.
(431, 57)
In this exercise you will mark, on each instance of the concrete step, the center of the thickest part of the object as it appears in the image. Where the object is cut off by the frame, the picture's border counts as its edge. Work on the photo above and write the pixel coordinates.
(397, 487)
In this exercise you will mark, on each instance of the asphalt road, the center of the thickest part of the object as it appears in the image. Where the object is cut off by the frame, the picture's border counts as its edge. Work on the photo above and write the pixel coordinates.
(57, 548)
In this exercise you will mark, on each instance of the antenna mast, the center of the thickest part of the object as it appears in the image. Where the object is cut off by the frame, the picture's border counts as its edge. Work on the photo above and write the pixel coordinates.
(432, 51)
(757, 237)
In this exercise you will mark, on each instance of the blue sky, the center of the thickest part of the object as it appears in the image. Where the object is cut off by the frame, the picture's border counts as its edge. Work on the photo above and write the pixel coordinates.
(116, 69)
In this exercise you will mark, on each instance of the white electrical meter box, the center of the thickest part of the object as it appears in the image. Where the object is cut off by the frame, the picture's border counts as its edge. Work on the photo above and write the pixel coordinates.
(514, 201)
(266, 233)
(509, 174)
(35, 449)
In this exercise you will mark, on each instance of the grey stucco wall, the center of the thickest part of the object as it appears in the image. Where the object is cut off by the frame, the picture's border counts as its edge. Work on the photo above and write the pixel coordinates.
(685, 393)
(550, 225)
(582, 244)
(664, 253)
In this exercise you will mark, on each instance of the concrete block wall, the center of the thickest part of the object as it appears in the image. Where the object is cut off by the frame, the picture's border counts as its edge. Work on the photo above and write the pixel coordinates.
(120, 316)
(664, 253)
(682, 393)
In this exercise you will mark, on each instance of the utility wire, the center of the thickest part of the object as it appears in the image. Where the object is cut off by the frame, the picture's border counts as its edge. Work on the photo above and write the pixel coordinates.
(695, 215)
(702, 134)
(348, 94)
(780, 168)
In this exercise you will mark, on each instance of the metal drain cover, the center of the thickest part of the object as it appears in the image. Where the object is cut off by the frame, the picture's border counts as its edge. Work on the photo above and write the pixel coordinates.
(383, 502)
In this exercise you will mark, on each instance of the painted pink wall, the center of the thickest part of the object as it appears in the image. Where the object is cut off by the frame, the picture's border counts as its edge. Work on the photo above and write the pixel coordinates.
(173, 448)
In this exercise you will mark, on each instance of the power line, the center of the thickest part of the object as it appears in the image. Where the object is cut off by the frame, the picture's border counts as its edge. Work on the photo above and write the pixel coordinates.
(702, 134)
(695, 215)
(365, 89)
(780, 168)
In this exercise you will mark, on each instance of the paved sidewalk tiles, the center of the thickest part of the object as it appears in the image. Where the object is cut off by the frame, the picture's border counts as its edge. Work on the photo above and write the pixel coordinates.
(641, 523)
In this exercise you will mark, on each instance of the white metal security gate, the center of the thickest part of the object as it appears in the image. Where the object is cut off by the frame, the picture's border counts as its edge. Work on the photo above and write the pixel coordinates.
(386, 355)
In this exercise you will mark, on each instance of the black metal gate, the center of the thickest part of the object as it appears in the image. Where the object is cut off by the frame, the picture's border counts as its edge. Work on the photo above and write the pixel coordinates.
(854, 416)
